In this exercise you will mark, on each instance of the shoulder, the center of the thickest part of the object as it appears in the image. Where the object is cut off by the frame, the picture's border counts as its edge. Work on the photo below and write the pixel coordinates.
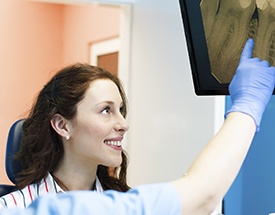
(24, 197)
(159, 199)
(14, 199)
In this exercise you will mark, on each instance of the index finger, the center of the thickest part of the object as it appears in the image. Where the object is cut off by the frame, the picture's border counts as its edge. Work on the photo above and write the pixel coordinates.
(247, 50)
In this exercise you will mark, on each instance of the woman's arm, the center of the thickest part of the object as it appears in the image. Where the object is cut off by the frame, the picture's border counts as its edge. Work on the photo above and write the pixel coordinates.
(216, 167)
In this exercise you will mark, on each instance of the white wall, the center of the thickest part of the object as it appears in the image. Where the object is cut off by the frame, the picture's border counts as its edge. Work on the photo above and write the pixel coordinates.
(169, 124)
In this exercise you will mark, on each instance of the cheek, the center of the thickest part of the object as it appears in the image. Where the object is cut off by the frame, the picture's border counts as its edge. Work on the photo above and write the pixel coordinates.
(88, 139)
(91, 131)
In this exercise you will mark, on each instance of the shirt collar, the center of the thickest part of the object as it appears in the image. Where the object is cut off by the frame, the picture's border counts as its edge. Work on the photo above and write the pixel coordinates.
(50, 180)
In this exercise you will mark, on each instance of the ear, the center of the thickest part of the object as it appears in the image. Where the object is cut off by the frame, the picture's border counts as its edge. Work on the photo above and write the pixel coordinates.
(59, 124)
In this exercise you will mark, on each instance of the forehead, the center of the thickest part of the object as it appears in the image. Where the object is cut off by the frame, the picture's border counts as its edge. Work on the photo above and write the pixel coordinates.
(103, 89)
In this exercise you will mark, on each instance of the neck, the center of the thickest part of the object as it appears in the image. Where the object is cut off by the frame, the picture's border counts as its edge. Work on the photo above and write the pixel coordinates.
(70, 178)
(75, 172)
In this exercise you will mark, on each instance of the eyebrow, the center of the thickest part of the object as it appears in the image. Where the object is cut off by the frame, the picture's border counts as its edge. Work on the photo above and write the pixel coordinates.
(108, 102)
(104, 102)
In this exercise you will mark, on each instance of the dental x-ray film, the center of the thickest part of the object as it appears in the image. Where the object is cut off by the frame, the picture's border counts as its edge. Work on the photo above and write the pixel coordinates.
(216, 31)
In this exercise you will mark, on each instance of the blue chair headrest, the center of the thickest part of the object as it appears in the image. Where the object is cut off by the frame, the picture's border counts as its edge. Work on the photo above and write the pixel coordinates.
(13, 144)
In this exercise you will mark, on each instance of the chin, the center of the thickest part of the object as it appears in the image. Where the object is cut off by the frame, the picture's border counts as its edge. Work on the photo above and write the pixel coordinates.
(115, 163)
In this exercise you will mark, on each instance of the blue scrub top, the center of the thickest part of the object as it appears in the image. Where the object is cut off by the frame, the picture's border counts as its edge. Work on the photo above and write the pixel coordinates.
(154, 199)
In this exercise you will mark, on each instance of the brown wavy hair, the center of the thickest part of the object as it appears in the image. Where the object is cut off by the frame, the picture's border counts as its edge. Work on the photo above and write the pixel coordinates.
(42, 149)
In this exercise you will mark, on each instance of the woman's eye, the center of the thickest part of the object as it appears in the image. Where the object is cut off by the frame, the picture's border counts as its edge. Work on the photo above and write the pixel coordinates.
(106, 110)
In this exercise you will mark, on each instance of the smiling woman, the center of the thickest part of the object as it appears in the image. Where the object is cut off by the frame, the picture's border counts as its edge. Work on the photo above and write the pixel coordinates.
(72, 137)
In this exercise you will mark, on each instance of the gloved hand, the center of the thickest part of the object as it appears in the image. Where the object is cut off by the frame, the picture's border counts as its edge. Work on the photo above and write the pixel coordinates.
(252, 85)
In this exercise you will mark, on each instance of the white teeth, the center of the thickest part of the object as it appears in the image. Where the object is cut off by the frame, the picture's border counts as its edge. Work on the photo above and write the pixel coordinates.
(113, 143)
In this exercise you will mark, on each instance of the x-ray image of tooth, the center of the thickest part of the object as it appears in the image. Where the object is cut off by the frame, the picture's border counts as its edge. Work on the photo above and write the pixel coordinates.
(265, 38)
(227, 26)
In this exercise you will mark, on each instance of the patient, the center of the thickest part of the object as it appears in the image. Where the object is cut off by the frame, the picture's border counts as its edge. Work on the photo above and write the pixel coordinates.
(72, 138)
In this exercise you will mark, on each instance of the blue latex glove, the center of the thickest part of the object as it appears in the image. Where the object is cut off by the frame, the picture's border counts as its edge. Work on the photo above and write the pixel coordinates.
(252, 85)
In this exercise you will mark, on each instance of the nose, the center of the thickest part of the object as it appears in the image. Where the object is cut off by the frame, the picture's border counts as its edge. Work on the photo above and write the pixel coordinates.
(121, 124)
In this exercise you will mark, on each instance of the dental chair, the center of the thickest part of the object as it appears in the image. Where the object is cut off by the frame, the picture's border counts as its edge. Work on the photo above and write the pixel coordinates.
(13, 144)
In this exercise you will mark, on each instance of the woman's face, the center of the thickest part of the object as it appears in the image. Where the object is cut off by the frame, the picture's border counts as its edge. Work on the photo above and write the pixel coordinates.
(97, 130)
